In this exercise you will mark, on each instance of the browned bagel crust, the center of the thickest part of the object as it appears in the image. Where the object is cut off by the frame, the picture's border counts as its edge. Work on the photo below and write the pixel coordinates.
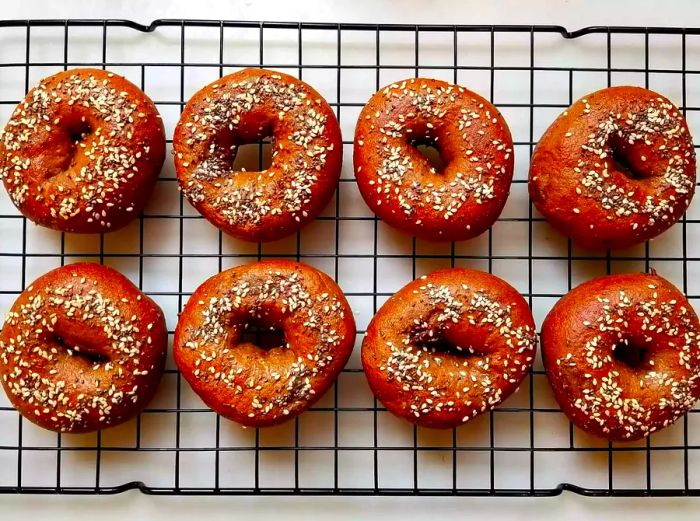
(400, 185)
(243, 382)
(582, 191)
(241, 108)
(82, 152)
(606, 396)
(82, 349)
(489, 326)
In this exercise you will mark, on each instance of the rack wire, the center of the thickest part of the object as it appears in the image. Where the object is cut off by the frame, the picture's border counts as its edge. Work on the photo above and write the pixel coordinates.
(348, 444)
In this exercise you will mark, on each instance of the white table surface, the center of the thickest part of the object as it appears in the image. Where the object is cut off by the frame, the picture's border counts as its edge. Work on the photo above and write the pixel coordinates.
(569, 13)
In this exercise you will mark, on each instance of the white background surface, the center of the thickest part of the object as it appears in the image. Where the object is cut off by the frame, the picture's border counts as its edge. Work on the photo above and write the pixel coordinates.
(571, 14)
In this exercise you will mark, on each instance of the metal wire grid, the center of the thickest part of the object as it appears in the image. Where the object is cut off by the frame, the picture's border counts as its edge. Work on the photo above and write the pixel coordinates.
(492, 466)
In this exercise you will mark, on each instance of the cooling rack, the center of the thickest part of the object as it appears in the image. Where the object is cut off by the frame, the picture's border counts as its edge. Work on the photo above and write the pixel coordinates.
(347, 443)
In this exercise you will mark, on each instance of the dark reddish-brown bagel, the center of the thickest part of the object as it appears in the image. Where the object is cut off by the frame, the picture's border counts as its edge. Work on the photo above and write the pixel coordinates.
(82, 349)
(244, 107)
(249, 384)
(82, 152)
(622, 353)
(399, 183)
(448, 347)
(615, 169)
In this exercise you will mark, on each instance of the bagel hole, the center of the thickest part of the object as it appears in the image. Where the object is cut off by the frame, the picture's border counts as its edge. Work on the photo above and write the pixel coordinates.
(440, 345)
(79, 132)
(431, 152)
(631, 355)
(253, 157)
(88, 355)
(264, 335)
(622, 165)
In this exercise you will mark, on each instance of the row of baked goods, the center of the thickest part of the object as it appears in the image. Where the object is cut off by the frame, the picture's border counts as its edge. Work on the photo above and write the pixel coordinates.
(83, 349)
(83, 150)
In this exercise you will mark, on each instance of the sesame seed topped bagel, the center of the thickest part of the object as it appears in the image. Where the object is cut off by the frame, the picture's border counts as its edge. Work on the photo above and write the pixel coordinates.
(615, 169)
(82, 349)
(622, 353)
(400, 185)
(239, 377)
(82, 152)
(244, 107)
(448, 347)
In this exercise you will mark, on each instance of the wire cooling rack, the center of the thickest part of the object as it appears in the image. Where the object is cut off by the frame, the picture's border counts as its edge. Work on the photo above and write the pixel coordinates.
(348, 444)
